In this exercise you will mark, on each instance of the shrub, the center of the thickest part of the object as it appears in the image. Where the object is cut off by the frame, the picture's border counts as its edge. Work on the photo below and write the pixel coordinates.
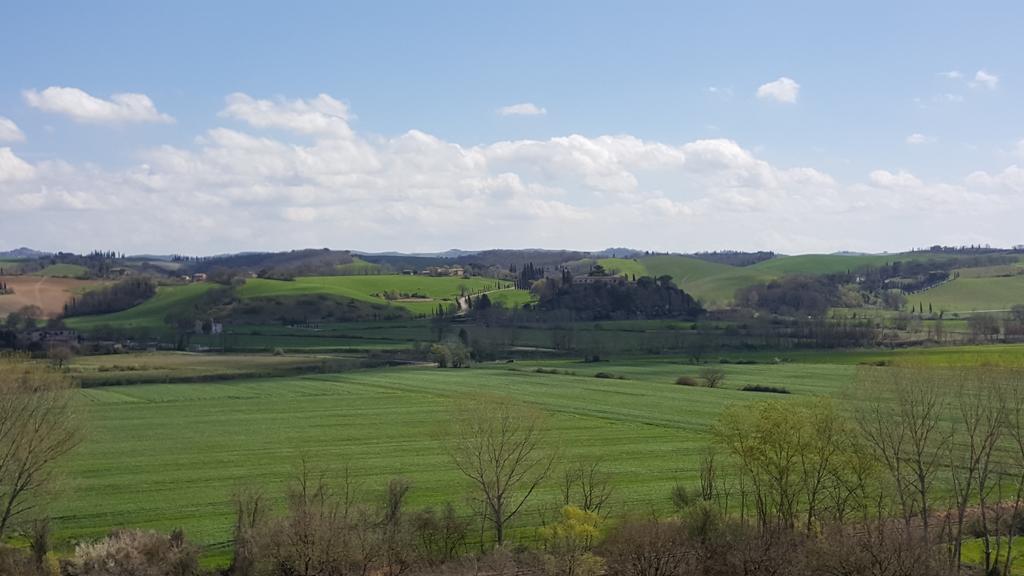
(21, 563)
(713, 377)
(647, 548)
(609, 375)
(681, 497)
(136, 553)
(765, 388)
(687, 381)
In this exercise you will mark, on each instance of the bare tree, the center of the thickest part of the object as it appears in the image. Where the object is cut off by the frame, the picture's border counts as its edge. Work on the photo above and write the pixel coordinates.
(37, 427)
(497, 444)
(899, 414)
(980, 417)
(588, 486)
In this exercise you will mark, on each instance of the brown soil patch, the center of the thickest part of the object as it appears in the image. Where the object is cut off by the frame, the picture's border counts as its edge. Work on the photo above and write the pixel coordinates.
(50, 294)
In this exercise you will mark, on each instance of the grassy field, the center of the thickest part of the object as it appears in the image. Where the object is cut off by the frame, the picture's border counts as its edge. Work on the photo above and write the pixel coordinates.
(620, 266)
(370, 288)
(185, 366)
(512, 298)
(63, 271)
(713, 284)
(148, 315)
(974, 294)
(170, 455)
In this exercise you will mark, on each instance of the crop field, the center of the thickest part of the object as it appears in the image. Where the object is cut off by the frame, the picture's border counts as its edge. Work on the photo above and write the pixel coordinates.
(183, 366)
(49, 294)
(974, 294)
(171, 455)
(430, 291)
(63, 271)
(713, 284)
(148, 315)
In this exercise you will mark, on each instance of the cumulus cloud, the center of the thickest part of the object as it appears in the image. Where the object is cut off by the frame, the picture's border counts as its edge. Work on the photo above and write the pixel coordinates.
(522, 109)
(918, 138)
(13, 168)
(893, 180)
(296, 174)
(986, 80)
(9, 131)
(83, 107)
(782, 90)
(322, 115)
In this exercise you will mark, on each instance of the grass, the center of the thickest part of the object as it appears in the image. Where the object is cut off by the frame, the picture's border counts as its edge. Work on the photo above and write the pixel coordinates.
(184, 366)
(368, 288)
(512, 298)
(151, 313)
(64, 271)
(714, 284)
(359, 266)
(974, 294)
(170, 455)
(620, 266)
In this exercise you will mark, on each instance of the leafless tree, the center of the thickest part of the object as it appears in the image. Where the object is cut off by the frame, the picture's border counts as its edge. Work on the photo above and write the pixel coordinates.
(498, 445)
(980, 415)
(899, 414)
(587, 485)
(37, 428)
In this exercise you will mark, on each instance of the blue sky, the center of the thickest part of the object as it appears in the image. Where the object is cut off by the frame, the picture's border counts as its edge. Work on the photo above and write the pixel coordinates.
(880, 126)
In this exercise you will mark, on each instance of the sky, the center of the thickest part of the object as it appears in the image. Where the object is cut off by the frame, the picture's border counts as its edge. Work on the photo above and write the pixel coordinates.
(211, 127)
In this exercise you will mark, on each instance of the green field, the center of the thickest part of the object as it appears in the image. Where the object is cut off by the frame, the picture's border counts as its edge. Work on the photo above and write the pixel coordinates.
(151, 313)
(170, 455)
(511, 298)
(974, 294)
(619, 266)
(359, 266)
(714, 284)
(64, 271)
(368, 288)
(185, 366)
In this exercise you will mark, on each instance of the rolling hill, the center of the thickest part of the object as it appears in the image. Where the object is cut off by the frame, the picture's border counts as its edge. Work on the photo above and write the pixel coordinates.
(713, 284)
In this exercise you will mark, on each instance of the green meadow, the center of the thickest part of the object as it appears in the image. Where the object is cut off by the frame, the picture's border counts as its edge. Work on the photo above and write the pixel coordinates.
(171, 455)
(150, 314)
(428, 291)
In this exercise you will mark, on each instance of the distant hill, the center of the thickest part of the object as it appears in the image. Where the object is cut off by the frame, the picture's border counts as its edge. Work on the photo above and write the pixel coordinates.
(21, 253)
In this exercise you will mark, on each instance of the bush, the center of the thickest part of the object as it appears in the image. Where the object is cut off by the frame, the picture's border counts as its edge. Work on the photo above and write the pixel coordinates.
(609, 375)
(764, 388)
(648, 548)
(17, 562)
(687, 381)
(135, 553)
(713, 377)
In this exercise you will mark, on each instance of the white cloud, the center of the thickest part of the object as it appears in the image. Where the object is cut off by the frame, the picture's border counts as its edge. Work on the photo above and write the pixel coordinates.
(894, 180)
(9, 131)
(322, 115)
(13, 168)
(83, 107)
(782, 90)
(918, 138)
(316, 182)
(985, 80)
(952, 75)
(522, 109)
